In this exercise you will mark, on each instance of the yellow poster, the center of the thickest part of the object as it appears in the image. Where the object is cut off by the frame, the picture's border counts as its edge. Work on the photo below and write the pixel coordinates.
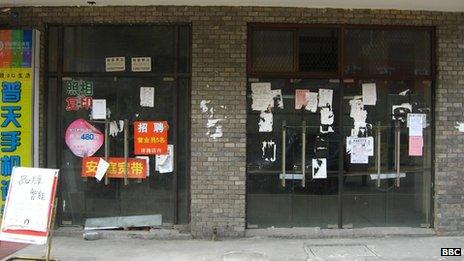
(16, 122)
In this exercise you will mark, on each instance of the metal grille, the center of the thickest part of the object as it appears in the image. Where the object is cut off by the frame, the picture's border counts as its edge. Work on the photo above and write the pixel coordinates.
(388, 52)
(273, 50)
(318, 50)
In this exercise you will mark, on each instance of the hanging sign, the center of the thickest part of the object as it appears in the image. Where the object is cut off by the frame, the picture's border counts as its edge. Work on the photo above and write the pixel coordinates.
(83, 139)
(17, 81)
(29, 205)
(150, 137)
(136, 168)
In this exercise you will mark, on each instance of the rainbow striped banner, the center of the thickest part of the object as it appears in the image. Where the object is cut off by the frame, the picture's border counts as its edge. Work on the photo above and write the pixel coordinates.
(15, 48)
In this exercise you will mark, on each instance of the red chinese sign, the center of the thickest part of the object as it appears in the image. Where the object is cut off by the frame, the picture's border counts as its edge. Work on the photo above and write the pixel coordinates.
(136, 168)
(150, 137)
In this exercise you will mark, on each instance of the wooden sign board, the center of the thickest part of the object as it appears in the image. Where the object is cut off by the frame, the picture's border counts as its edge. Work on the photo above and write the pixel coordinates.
(29, 205)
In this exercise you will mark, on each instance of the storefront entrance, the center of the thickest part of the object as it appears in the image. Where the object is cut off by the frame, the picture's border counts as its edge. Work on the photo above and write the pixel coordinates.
(151, 84)
(331, 139)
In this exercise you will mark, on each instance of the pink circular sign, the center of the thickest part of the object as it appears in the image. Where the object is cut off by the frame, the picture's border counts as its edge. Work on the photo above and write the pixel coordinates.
(83, 139)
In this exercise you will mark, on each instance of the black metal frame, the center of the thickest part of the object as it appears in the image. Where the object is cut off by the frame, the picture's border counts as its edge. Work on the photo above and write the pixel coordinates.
(342, 77)
(59, 74)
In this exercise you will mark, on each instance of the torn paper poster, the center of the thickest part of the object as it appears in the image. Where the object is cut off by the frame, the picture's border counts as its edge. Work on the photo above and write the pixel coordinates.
(399, 112)
(325, 97)
(312, 101)
(204, 105)
(415, 123)
(214, 128)
(165, 163)
(265, 122)
(327, 116)
(319, 168)
(147, 160)
(416, 143)
(102, 167)
(369, 94)
(260, 87)
(269, 150)
(459, 126)
(359, 116)
(116, 127)
(301, 99)
(277, 95)
(147, 97)
(404, 93)
(115, 64)
(263, 97)
(325, 129)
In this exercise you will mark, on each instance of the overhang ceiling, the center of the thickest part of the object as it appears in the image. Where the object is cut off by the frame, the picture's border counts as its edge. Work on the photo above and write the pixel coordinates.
(434, 5)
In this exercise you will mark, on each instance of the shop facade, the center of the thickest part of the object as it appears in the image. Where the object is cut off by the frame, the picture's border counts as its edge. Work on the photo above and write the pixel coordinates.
(233, 83)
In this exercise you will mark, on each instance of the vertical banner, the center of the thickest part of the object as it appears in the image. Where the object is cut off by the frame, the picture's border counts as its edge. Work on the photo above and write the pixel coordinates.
(17, 79)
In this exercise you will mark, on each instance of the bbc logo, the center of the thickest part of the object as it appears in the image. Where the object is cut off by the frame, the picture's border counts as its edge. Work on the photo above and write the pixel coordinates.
(449, 251)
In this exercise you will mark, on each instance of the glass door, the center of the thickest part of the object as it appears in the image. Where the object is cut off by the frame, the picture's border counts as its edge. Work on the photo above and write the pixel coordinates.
(153, 195)
(392, 186)
(280, 191)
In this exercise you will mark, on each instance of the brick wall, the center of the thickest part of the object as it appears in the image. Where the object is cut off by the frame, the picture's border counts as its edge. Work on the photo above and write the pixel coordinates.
(219, 76)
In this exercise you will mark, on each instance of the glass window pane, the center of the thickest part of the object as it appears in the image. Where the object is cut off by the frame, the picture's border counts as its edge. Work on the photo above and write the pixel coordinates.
(85, 48)
(52, 49)
(388, 52)
(273, 50)
(184, 49)
(318, 50)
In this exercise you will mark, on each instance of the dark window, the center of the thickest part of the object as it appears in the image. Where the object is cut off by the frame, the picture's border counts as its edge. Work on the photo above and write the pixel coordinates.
(85, 49)
(318, 50)
(388, 52)
(273, 50)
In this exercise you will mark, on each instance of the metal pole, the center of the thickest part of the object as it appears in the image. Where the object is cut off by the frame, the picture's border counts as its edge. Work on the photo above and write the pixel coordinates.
(284, 141)
(50, 232)
(126, 149)
(303, 154)
(107, 148)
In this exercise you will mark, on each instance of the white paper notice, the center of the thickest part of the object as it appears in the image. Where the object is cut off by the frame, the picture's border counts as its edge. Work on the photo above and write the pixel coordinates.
(312, 102)
(115, 64)
(165, 163)
(265, 122)
(325, 97)
(327, 116)
(319, 168)
(141, 64)
(415, 123)
(360, 149)
(99, 109)
(369, 94)
(147, 97)
(147, 159)
(261, 87)
(29, 198)
(102, 167)
(278, 95)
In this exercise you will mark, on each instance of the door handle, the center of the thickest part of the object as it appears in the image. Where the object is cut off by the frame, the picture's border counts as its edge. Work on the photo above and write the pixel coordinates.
(398, 151)
(284, 141)
(126, 149)
(303, 154)
(379, 136)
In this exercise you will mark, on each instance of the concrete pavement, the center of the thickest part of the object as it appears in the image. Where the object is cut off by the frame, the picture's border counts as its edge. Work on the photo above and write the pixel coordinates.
(255, 248)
